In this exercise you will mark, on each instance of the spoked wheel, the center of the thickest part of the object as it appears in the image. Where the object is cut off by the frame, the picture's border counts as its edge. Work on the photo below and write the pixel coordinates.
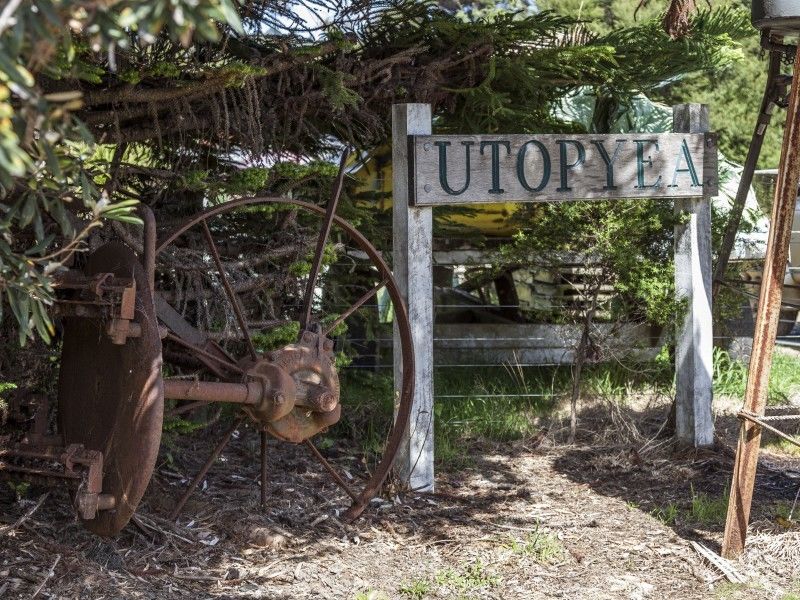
(291, 392)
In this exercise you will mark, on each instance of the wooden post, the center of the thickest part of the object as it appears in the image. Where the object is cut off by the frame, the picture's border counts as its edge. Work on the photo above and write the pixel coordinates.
(694, 343)
(412, 247)
(767, 317)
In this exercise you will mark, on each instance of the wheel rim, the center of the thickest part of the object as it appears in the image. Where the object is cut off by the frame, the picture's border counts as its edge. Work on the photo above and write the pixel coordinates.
(374, 482)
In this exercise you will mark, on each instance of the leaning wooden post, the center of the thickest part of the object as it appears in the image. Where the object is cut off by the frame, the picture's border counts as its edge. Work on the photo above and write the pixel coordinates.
(413, 259)
(694, 423)
(767, 317)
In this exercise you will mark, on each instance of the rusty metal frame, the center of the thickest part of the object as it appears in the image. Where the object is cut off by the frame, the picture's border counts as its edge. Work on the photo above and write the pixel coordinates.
(81, 467)
(767, 317)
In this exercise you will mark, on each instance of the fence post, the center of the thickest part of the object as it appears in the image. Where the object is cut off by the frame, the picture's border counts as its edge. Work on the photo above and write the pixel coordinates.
(412, 247)
(694, 424)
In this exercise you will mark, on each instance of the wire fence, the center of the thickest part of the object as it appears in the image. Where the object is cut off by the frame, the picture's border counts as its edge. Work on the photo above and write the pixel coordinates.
(471, 344)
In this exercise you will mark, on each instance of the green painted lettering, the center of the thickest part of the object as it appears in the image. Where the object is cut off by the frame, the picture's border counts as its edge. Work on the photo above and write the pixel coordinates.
(496, 189)
(564, 166)
(545, 166)
(609, 161)
(641, 161)
(443, 167)
(685, 155)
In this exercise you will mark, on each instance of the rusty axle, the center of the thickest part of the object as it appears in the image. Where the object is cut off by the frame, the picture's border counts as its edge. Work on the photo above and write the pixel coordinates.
(250, 393)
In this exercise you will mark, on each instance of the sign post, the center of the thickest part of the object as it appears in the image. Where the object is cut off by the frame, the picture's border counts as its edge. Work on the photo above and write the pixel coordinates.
(694, 423)
(412, 249)
(445, 170)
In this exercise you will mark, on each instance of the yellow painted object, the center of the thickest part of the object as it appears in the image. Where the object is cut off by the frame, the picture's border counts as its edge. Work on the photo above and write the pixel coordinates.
(373, 187)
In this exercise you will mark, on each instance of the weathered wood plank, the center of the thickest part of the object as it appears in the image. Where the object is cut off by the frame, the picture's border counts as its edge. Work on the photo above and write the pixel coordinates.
(460, 169)
(412, 246)
(694, 344)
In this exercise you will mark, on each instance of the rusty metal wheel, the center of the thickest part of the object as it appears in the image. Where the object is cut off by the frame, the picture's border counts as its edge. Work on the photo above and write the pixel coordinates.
(291, 392)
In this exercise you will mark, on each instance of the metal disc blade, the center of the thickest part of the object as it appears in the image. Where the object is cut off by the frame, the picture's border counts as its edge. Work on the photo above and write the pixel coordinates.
(111, 397)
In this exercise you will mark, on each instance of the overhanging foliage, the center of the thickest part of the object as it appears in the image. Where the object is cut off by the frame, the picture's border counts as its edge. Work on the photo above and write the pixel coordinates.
(269, 84)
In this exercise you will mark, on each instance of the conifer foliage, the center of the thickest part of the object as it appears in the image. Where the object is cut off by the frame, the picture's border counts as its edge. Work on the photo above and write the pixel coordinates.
(171, 102)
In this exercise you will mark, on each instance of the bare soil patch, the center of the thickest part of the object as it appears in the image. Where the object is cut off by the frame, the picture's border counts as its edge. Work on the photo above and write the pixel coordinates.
(610, 517)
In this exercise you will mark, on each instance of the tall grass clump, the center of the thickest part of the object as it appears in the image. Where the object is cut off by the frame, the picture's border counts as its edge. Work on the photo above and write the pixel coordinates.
(730, 376)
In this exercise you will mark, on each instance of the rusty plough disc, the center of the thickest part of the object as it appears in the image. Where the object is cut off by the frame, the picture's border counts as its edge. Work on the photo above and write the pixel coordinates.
(111, 394)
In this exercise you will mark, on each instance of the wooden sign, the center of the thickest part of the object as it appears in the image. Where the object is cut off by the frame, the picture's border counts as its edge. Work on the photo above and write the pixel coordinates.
(457, 169)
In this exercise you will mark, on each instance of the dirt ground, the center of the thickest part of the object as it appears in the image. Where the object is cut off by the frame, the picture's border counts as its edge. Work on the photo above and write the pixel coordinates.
(609, 517)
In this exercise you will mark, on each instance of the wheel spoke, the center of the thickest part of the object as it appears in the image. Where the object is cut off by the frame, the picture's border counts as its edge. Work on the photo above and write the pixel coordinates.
(356, 305)
(362, 491)
(226, 437)
(263, 435)
(330, 212)
(200, 352)
(237, 309)
(329, 468)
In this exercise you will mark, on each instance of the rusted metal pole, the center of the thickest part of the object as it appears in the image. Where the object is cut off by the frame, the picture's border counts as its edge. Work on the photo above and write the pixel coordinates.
(322, 239)
(213, 391)
(769, 307)
(232, 298)
(771, 95)
(329, 468)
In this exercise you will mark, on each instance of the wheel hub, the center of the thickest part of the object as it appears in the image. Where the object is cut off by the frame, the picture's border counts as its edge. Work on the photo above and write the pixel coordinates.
(301, 388)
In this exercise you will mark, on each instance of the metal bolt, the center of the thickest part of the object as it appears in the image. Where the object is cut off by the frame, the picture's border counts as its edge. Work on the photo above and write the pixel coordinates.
(427, 188)
(426, 146)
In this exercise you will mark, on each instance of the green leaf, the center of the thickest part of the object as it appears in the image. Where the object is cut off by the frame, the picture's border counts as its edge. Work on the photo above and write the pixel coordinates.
(29, 210)
(231, 16)
(124, 218)
(52, 162)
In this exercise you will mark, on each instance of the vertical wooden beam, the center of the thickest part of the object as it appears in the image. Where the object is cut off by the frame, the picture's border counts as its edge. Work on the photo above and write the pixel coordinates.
(767, 317)
(694, 423)
(412, 247)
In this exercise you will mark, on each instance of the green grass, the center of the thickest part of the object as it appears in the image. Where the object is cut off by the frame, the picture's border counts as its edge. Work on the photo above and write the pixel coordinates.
(541, 546)
(707, 510)
(667, 514)
(702, 509)
(782, 446)
(467, 579)
(503, 403)
(416, 590)
(498, 404)
(4, 387)
(735, 591)
(495, 404)
(461, 582)
(370, 595)
(783, 513)
(730, 376)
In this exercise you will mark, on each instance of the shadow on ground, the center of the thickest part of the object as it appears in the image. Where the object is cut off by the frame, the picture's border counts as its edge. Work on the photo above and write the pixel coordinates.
(684, 488)
(590, 491)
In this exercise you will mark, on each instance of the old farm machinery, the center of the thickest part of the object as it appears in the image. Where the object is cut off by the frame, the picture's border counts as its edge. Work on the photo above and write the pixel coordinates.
(125, 325)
